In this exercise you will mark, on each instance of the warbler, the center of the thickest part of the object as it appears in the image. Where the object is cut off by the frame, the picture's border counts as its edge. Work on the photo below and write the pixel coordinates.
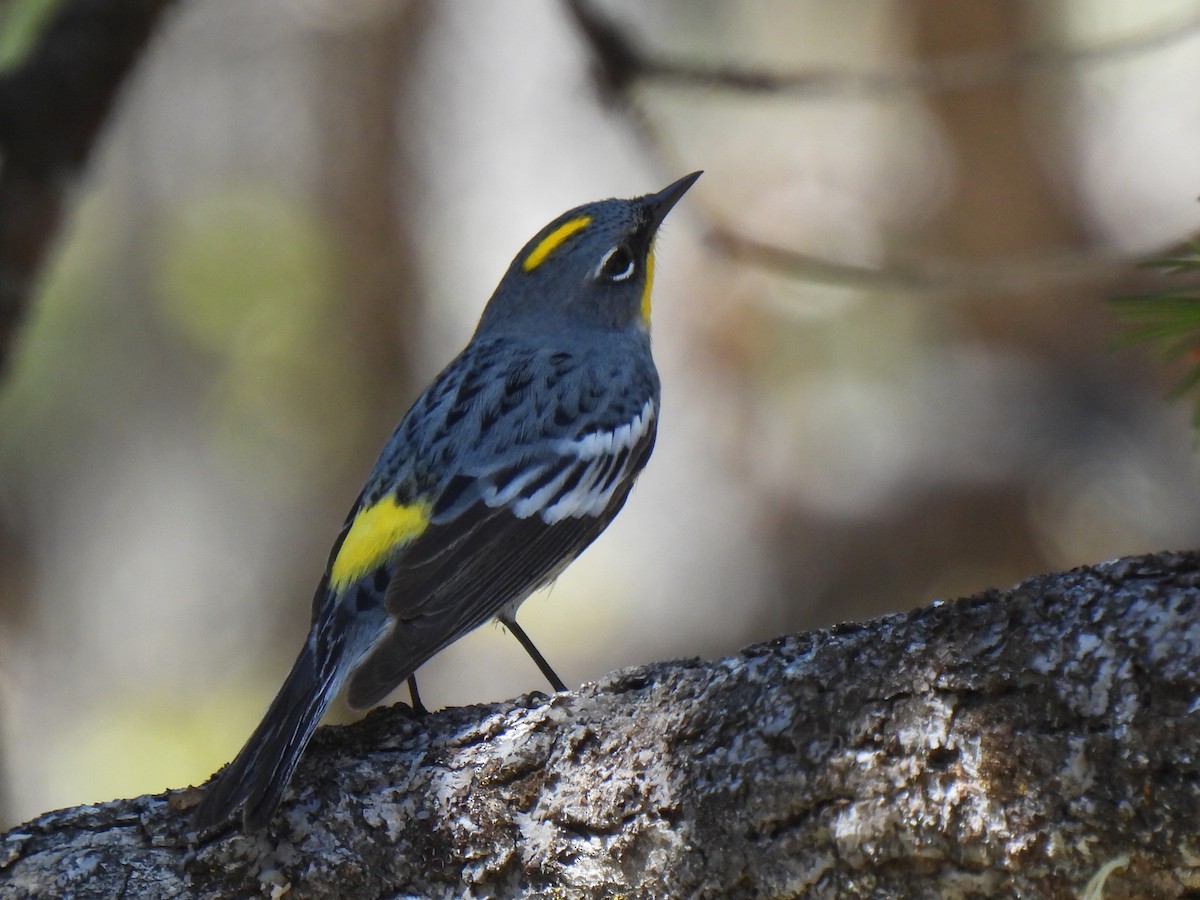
(505, 468)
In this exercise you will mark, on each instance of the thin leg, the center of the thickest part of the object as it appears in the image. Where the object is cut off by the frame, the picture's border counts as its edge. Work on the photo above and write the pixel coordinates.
(520, 635)
(418, 707)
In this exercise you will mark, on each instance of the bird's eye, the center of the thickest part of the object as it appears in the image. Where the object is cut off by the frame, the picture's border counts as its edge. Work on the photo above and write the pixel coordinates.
(618, 264)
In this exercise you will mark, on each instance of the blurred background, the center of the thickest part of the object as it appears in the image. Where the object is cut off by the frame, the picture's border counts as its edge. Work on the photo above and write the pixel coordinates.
(879, 318)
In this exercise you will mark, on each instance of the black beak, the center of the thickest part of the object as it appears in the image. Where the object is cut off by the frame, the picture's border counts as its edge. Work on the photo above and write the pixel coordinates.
(658, 205)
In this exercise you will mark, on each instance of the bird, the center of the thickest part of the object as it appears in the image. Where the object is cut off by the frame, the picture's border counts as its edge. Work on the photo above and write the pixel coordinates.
(508, 465)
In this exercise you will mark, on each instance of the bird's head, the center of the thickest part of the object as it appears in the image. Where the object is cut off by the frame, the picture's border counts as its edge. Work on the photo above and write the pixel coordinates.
(592, 267)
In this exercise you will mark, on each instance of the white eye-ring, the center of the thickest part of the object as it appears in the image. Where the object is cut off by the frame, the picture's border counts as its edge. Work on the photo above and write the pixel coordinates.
(618, 264)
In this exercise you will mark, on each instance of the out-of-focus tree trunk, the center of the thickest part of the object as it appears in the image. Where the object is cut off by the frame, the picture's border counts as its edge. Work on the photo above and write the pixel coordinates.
(52, 108)
(365, 73)
(361, 70)
(1002, 203)
(1002, 207)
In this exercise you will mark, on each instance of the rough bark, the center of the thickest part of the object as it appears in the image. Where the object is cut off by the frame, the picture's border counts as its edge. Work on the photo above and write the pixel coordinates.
(1016, 743)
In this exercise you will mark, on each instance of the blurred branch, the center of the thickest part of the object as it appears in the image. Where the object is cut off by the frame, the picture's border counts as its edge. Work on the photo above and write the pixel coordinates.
(1022, 742)
(621, 62)
(938, 276)
(52, 107)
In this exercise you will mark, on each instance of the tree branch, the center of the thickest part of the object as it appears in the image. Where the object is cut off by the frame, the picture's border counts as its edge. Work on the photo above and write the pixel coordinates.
(621, 62)
(1019, 743)
(931, 276)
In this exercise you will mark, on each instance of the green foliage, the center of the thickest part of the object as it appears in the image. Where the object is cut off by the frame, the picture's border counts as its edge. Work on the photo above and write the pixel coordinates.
(1170, 320)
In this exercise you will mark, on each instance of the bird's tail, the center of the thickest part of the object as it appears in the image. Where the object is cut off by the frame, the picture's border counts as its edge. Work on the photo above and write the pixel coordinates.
(256, 779)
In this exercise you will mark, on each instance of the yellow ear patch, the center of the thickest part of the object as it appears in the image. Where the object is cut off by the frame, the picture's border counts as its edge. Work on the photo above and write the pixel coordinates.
(376, 532)
(646, 288)
(550, 242)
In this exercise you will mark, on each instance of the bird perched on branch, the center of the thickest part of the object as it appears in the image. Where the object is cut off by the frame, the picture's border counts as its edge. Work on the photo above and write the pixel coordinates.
(508, 465)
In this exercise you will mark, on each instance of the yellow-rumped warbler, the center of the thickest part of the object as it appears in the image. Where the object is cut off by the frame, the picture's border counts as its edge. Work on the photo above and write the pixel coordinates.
(515, 459)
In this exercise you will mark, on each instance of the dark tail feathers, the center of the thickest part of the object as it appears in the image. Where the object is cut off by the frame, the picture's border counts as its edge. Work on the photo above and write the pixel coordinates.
(256, 779)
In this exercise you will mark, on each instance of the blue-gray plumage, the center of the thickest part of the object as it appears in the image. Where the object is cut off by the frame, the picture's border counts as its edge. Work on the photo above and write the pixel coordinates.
(507, 466)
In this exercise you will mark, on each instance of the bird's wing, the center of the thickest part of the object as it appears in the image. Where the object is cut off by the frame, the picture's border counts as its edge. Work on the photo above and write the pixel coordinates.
(527, 524)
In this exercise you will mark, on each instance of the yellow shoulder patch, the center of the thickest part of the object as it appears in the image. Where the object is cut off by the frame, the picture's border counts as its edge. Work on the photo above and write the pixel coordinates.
(376, 532)
(646, 288)
(550, 242)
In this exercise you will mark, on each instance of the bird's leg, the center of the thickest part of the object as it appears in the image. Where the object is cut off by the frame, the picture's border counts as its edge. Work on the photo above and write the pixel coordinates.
(519, 633)
(418, 707)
